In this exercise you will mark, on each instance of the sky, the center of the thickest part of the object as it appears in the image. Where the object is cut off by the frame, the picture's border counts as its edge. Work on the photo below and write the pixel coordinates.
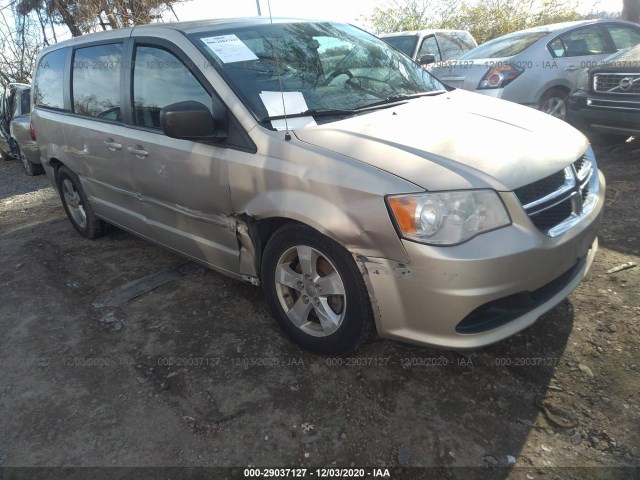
(342, 10)
(350, 11)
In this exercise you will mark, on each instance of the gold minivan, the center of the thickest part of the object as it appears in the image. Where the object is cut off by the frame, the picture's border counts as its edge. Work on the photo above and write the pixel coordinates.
(313, 159)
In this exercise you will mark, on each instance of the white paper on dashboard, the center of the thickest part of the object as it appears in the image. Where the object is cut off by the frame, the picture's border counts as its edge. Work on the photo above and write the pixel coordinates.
(293, 103)
(229, 48)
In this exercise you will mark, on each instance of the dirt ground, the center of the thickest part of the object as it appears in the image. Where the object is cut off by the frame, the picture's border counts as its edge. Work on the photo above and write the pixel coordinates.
(196, 373)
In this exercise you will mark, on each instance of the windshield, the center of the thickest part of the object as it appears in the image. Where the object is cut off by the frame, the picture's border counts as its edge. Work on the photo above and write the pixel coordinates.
(405, 43)
(318, 66)
(506, 46)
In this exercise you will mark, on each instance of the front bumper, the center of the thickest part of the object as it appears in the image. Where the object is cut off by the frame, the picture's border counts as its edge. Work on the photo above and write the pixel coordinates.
(605, 114)
(427, 300)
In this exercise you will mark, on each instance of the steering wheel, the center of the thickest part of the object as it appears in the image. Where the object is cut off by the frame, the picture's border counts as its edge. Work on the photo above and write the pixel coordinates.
(337, 73)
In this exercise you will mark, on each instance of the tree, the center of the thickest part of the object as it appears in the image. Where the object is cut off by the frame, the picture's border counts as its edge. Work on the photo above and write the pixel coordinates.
(402, 15)
(84, 16)
(26, 26)
(485, 19)
(631, 10)
(494, 18)
(20, 41)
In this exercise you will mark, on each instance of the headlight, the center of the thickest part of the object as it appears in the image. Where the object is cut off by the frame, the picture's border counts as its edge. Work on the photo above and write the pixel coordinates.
(448, 218)
(582, 82)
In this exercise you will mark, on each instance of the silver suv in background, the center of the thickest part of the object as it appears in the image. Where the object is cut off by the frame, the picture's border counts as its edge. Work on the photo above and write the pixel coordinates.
(17, 138)
(315, 160)
(538, 67)
(428, 46)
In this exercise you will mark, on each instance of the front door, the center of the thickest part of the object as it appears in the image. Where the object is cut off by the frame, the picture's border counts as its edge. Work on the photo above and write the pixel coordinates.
(182, 185)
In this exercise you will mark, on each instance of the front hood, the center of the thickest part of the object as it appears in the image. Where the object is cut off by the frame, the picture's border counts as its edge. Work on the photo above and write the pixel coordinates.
(455, 140)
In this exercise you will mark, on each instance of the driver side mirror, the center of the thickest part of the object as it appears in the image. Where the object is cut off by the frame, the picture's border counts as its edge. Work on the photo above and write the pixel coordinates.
(190, 121)
(427, 59)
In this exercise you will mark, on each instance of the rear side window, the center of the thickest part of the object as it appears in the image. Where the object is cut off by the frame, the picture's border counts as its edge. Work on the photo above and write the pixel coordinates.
(25, 102)
(96, 81)
(581, 43)
(454, 45)
(160, 79)
(624, 36)
(49, 79)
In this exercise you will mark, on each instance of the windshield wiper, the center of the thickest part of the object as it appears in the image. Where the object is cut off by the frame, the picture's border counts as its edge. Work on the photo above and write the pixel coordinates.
(394, 99)
(331, 112)
(322, 112)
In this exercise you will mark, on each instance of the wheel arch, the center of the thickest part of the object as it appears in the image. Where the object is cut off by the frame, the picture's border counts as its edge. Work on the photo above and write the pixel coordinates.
(566, 88)
(358, 235)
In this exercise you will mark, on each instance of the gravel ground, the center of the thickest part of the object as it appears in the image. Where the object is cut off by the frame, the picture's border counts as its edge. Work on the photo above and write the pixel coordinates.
(195, 373)
(24, 201)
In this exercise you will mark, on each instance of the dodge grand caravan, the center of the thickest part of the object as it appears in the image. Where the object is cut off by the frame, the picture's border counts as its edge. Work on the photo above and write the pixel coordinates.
(313, 159)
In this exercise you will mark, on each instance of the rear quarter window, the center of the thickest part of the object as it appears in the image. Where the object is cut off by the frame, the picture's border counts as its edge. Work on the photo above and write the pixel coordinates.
(49, 80)
(505, 46)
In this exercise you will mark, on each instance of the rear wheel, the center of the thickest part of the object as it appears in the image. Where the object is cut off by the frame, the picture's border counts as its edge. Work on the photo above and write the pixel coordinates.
(554, 102)
(30, 168)
(77, 205)
(315, 291)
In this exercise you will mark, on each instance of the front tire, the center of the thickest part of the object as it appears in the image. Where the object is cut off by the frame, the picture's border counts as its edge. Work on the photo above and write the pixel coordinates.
(77, 205)
(315, 291)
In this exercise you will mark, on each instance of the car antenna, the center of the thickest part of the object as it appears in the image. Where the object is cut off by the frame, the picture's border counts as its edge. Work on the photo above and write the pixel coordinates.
(287, 135)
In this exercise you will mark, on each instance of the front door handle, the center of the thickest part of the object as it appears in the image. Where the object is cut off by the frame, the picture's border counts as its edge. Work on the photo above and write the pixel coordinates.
(138, 151)
(571, 68)
(112, 144)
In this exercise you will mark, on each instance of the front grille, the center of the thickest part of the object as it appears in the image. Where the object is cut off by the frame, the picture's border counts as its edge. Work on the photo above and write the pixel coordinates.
(545, 220)
(622, 83)
(580, 163)
(556, 199)
(541, 188)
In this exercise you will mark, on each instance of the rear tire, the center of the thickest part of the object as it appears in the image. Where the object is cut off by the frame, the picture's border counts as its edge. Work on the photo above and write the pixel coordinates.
(30, 168)
(315, 291)
(554, 102)
(77, 205)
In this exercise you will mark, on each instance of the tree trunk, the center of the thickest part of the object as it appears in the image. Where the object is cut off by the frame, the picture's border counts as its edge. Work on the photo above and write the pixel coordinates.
(43, 27)
(631, 10)
(67, 18)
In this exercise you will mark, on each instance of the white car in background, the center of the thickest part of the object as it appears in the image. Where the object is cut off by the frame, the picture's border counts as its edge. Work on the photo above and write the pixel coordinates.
(539, 66)
(421, 44)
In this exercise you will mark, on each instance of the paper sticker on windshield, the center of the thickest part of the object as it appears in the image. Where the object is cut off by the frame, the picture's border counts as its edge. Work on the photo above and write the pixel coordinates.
(229, 48)
(277, 103)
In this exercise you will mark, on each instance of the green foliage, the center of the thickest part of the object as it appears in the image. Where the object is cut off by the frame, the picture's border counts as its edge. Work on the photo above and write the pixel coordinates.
(402, 15)
(485, 19)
